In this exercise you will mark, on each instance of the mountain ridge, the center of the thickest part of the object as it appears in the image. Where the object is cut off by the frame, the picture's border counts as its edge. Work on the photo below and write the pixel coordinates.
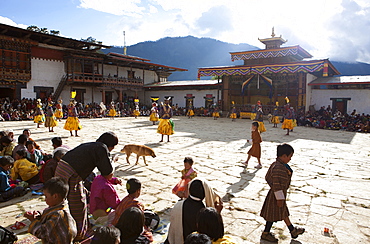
(191, 53)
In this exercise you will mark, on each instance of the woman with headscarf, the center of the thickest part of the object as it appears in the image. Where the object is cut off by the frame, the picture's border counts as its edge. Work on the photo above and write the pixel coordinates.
(183, 215)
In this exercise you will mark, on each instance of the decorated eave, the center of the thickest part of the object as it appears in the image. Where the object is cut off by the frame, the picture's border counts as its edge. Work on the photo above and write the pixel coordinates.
(127, 56)
(49, 39)
(313, 66)
(341, 80)
(295, 51)
(141, 63)
(186, 83)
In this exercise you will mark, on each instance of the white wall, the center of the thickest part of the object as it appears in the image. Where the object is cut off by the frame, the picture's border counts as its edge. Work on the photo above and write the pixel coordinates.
(178, 96)
(360, 98)
(149, 76)
(309, 78)
(44, 73)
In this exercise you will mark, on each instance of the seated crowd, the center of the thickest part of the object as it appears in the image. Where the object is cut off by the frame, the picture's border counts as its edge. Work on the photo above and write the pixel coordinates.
(195, 218)
(325, 119)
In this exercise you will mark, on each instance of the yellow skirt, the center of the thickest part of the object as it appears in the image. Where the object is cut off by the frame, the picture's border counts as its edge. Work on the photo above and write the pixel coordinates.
(72, 123)
(112, 113)
(253, 116)
(190, 113)
(287, 124)
(275, 120)
(39, 119)
(51, 122)
(294, 123)
(216, 114)
(136, 113)
(165, 127)
(233, 115)
(58, 114)
(153, 117)
(261, 127)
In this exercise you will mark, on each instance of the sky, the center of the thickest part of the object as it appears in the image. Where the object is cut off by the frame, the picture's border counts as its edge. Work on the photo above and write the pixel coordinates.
(334, 29)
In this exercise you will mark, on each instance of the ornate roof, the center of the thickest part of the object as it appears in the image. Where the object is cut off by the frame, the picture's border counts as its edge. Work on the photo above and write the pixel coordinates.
(304, 66)
(296, 51)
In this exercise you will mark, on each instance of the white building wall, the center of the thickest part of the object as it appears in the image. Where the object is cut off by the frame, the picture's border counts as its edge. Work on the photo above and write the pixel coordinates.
(46, 73)
(360, 98)
(149, 76)
(179, 96)
(309, 79)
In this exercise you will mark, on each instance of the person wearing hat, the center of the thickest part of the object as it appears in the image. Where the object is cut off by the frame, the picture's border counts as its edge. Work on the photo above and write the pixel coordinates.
(50, 121)
(39, 116)
(59, 110)
(154, 113)
(166, 125)
(288, 117)
(72, 123)
(259, 117)
(275, 118)
(190, 112)
(112, 111)
(233, 111)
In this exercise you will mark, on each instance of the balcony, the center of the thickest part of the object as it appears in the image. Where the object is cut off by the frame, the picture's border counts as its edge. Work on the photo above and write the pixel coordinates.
(98, 79)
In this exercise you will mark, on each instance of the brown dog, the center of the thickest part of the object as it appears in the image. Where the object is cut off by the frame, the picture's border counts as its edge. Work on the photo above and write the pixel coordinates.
(140, 150)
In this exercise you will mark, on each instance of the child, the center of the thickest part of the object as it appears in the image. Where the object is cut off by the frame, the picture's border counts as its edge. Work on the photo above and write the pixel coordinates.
(7, 145)
(55, 224)
(274, 208)
(22, 139)
(131, 225)
(8, 191)
(25, 169)
(103, 196)
(106, 235)
(27, 132)
(188, 173)
(48, 169)
(255, 150)
(34, 155)
(134, 189)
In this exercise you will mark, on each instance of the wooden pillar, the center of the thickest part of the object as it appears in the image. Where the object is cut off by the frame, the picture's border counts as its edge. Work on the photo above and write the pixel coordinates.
(120, 95)
(225, 93)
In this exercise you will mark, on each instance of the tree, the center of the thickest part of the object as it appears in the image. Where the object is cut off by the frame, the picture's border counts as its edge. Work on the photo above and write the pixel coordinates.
(33, 28)
(91, 40)
(55, 32)
(43, 30)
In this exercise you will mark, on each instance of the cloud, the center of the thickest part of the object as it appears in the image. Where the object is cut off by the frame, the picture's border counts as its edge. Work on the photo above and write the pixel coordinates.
(7, 21)
(117, 7)
(350, 32)
(215, 21)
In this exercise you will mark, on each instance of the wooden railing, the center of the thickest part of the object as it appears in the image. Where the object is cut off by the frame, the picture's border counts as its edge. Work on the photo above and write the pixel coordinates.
(99, 79)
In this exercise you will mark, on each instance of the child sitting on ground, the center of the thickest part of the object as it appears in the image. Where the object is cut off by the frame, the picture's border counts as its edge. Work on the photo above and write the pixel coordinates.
(255, 150)
(274, 208)
(55, 224)
(188, 173)
(8, 191)
(134, 189)
(48, 169)
(103, 196)
(24, 169)
(34, 155)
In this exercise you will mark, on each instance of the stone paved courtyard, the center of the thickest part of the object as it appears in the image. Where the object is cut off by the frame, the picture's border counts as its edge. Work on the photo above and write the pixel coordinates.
(330, 184)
